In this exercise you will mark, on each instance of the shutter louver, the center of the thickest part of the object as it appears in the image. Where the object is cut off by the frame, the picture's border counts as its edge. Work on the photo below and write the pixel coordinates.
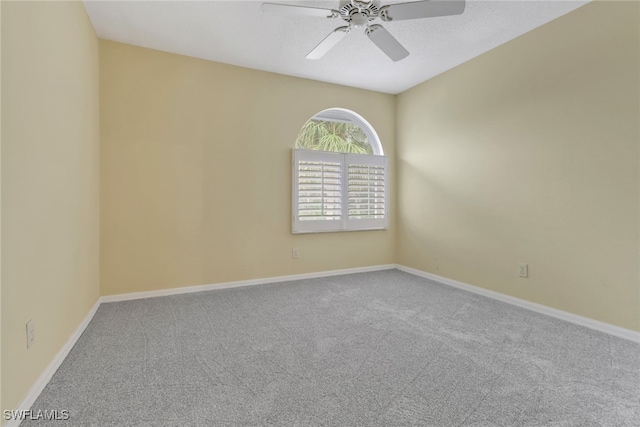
(366, 191)
(319, 191)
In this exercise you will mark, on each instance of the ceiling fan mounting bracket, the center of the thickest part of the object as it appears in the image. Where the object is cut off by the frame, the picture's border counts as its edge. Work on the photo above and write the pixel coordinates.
(361, 4)
(383, 13)
(371, 28)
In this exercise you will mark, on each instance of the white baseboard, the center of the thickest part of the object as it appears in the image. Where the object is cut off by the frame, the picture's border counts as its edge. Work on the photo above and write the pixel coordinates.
(242, 283)
(607, 328)
(51, 369)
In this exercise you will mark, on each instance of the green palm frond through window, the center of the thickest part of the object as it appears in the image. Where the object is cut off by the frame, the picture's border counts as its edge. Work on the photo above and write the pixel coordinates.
(339, 137)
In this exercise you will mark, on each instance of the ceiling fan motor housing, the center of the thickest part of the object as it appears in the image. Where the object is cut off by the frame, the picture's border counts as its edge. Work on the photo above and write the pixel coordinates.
(358, 13)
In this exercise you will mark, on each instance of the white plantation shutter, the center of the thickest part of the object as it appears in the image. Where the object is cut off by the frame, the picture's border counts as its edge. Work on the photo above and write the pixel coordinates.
(366, 191)
(336, 191)
(317, 197)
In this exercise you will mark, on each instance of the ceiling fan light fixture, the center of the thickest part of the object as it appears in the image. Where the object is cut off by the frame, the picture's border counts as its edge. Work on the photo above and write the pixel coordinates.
(359, 20)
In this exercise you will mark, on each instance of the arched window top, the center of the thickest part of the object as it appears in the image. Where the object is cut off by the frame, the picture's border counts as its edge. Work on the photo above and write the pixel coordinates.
(339, 130)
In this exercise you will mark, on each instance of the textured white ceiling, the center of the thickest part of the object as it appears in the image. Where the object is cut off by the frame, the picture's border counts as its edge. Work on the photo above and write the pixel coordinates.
(237, 32)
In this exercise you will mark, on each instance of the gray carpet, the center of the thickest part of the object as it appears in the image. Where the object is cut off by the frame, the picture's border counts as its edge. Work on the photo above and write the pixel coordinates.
(372, 349)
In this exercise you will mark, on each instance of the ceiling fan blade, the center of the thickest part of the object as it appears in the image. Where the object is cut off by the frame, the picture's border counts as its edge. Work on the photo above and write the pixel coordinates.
(424, 9)
(330, 41)
(289, 9)
(387, 43)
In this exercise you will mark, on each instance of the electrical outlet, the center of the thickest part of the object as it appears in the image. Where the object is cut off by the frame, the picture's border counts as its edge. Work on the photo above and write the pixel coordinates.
(523, 270)
(295, 253)
(31, 337)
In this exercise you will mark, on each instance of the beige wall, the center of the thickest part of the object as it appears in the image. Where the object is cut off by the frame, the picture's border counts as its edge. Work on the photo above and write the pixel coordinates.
(529, 153)
(196, 172)
(1, 407)
(50, 172)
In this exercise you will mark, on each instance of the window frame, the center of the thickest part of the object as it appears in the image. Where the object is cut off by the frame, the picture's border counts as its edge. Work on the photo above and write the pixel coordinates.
(344, 223)
(376, 159)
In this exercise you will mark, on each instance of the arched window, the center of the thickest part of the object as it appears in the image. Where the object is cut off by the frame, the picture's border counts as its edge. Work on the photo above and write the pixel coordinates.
(339, 175)
(339, 130)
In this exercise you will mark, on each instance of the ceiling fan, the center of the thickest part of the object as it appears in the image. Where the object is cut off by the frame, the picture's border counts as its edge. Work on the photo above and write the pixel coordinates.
(361, 13)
